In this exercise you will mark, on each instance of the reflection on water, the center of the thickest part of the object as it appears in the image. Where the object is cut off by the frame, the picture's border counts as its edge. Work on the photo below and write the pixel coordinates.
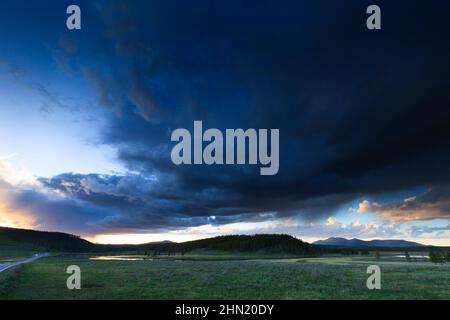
(414, 257)
(119, 258)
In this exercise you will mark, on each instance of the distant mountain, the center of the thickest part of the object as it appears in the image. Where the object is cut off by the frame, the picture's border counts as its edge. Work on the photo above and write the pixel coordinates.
(357, 243)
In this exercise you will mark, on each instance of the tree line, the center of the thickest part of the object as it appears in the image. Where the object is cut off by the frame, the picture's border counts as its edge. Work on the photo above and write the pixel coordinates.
(439, 256)
(270, 243)
(48, 240)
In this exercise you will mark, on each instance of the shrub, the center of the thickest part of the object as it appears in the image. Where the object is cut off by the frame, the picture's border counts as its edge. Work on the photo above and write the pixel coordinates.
(438, 256)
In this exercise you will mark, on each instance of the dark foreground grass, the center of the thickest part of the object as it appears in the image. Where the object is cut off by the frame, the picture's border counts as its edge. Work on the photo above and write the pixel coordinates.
(172, 279)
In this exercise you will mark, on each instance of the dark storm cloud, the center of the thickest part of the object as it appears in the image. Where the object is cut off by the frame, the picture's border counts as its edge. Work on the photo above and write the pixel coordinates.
(360, 112)
(152, 203)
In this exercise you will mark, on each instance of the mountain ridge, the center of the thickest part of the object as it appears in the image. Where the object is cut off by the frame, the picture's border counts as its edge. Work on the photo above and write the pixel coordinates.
(355, 242)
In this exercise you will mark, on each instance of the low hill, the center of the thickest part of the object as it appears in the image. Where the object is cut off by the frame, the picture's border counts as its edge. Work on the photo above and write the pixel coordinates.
(267, 243)
(357, 243)
(38, 240)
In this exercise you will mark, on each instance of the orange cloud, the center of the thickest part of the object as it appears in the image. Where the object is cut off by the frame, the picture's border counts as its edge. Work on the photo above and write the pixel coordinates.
(433, 204)
(13, 219)
(333, 221)
(363, 207)
(411, 211)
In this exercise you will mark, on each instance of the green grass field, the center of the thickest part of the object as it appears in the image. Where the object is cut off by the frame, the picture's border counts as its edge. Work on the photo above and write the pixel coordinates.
(338, 277)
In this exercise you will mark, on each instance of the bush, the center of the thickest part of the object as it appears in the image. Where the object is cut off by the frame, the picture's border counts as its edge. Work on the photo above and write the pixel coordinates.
(438, 256)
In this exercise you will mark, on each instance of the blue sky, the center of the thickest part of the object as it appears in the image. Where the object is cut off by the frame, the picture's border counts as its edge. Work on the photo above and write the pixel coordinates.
(86, 117)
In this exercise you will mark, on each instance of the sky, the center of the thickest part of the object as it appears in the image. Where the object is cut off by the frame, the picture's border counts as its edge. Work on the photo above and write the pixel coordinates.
(86, 118)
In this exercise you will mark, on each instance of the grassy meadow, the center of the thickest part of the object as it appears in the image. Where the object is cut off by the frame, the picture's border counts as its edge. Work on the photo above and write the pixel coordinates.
(220, 276)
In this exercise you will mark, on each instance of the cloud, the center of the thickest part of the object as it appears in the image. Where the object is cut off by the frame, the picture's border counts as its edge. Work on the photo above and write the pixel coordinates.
(328, 107)
(93, 204)
(332, 221)
(356, 224)
(353, 112)
(328, 114)
(427, 231)
(25, 202)
(48, 97)
(13, 175)
(433, 204)
(108, 90)
(363, 207)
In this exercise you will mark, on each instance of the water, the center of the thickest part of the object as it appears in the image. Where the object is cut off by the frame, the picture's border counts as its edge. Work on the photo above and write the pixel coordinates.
(119, 258)
(413, 257)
